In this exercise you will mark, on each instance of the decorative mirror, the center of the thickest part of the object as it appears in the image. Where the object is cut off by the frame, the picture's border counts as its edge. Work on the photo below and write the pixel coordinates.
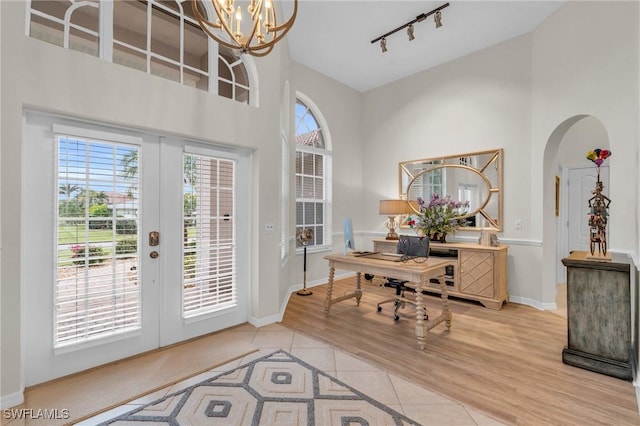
(475, 177)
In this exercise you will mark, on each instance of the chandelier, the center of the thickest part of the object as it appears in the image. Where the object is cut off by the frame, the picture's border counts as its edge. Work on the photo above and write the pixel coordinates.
(255, 36)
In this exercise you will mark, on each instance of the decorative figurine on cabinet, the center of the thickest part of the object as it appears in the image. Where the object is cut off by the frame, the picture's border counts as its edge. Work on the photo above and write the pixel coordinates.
(598, 205)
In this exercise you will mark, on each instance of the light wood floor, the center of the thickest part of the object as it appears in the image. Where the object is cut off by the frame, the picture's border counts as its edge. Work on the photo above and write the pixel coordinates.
(507, 363)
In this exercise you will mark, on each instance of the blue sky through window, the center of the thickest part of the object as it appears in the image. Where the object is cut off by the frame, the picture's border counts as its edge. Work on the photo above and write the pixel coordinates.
(95, 166)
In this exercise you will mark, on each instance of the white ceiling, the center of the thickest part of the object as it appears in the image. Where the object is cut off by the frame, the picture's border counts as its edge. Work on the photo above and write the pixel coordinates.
(334, 37)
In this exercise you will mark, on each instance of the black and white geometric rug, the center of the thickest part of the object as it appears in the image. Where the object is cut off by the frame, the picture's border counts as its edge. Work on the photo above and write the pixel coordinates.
(276, 389)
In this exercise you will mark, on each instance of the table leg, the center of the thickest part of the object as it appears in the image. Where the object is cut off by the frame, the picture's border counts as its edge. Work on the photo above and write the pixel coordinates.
(445, 309)
(358, 288)
(421, 329)
(327, 303)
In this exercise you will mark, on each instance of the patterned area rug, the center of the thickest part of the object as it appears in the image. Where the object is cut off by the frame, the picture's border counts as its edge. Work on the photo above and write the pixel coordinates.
(274, 389)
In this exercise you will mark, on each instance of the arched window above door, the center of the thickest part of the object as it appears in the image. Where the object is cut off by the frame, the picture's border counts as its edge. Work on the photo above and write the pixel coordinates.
(159, 37)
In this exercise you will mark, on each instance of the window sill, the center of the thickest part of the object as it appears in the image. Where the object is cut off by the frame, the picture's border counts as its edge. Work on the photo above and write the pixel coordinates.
(314, 249)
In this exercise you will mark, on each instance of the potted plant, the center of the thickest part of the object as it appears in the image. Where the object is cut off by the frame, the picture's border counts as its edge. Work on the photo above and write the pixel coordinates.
(438, 217)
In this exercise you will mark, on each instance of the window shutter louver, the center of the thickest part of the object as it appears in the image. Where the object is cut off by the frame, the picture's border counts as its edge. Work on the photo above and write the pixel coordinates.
(96, 288)
(209, 249)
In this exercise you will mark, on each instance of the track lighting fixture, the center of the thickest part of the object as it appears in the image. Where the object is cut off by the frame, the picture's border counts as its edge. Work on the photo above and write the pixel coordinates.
(409, 26)
(383, 44)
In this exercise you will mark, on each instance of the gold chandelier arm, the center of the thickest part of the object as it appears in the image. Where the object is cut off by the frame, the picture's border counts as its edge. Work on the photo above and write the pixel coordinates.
(287, 25)
(257, 8)
(223, 22)
(204, 22)
(255, 51)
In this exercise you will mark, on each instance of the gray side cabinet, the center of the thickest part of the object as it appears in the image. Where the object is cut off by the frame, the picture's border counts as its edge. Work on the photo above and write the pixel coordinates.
(599, 315)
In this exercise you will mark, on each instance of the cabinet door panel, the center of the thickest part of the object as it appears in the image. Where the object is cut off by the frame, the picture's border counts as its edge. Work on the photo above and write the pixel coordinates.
(476, 273)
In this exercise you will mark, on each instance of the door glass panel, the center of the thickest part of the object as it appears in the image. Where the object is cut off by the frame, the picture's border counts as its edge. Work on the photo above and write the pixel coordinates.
(209, 249)
(97, 292)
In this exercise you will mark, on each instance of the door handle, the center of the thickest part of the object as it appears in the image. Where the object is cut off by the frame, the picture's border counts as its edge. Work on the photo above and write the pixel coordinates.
(154, 238)
(154, 254)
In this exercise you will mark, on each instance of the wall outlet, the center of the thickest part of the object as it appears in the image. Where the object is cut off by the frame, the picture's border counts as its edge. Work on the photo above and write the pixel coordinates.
(518, 224)
(268, 228)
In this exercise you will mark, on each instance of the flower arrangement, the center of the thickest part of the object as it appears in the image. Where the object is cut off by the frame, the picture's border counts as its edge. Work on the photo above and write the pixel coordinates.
(597, 156)
(439, 217)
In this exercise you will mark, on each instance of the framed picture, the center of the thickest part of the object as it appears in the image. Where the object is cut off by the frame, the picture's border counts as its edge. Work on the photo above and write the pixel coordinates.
(557, 196)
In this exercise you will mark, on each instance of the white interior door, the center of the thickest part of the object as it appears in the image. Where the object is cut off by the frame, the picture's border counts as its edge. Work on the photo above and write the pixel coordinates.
(114, 259)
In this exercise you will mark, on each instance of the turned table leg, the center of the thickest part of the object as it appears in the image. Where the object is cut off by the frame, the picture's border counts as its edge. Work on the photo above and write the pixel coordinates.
(421, 329)
(445, 310)
(327, 302)
(358, 288)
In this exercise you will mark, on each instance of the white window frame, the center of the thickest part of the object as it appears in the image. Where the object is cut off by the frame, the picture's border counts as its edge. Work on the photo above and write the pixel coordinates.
(285, 194)
(95, 135)
(208, 310)
(327, 244)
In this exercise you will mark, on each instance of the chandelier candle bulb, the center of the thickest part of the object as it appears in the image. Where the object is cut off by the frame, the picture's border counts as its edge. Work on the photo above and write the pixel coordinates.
(238, 21)
(267, 15)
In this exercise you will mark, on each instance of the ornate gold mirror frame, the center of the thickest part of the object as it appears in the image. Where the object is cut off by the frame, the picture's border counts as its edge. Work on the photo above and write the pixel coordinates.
(474, 176)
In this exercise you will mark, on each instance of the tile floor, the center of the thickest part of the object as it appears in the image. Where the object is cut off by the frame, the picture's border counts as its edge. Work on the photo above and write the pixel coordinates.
(420, 404)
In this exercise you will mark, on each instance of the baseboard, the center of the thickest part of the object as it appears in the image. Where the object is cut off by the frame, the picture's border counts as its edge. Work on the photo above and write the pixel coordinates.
(11, 400)
(261, 322)
(533, 303)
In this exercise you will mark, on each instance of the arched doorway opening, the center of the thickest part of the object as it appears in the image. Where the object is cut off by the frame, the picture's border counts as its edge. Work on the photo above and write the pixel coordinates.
(568, 177)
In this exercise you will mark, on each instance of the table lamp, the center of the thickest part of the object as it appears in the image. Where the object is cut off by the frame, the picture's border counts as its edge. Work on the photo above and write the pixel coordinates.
(392, 208)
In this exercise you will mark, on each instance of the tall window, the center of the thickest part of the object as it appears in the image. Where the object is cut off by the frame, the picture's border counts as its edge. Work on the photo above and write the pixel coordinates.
(159, 37)
(97, 292)
(313, 165)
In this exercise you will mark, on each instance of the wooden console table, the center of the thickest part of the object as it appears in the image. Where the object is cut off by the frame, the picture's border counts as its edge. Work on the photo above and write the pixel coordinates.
(480, 272)
(599, 307)
(418, 274)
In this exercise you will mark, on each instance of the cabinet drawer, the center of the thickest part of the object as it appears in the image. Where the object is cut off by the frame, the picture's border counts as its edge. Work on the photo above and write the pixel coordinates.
(476, 273)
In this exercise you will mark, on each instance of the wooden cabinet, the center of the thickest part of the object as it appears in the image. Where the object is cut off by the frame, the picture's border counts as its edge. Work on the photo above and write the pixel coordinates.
(480, 273)
(599, 309)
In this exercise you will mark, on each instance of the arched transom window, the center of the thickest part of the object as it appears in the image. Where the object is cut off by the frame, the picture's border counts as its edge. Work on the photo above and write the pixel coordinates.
(159, 37)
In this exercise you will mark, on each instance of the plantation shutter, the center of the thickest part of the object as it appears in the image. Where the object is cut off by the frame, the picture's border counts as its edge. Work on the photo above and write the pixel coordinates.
(96, 289)
(209, 250)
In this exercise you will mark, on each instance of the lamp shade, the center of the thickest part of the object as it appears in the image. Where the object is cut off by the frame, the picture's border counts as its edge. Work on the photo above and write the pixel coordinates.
(394, 207)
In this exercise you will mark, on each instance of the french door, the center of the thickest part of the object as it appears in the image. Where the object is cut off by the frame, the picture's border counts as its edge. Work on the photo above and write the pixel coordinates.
(129, 243)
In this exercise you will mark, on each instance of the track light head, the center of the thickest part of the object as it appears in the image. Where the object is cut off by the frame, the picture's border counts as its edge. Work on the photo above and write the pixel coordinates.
(383, 44)
(410, 32)
(437, 17)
